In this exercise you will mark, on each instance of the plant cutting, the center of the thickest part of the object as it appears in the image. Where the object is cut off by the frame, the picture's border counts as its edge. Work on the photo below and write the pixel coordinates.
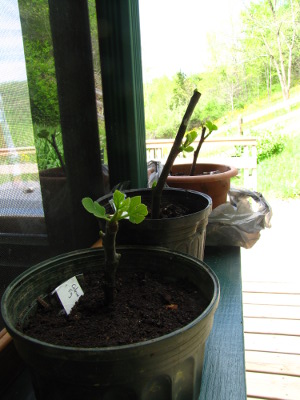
(177, 147)
(177, 218)
(212, 179)
(50, 137)
(160, 367)
(54, 190)
(125, 208)
(205, 124)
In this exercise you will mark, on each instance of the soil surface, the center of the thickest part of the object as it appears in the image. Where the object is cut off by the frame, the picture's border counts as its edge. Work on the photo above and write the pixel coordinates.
(147, 306)
(169, 210)
(202, 174)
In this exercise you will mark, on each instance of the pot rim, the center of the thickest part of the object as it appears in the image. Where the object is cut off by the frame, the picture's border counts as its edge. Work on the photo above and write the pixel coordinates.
(231, 172)
(18, 281)
(167, 189)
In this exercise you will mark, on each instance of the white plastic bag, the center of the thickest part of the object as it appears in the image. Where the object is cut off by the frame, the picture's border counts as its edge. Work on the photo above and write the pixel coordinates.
(154, 170)
(239, 222)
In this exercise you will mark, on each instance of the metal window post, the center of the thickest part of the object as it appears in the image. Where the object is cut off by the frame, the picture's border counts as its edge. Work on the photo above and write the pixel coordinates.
(121, 70)
(70, 29)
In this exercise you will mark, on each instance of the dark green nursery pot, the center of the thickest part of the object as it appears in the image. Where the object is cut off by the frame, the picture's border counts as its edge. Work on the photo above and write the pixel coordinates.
(185, 234)
(165, 368)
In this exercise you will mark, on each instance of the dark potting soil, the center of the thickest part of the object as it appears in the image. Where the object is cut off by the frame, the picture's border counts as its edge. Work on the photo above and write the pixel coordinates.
(147, 306)
(202, 174)
(170, 210)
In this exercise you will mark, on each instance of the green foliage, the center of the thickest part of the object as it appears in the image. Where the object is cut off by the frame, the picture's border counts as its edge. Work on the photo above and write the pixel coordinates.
(17, 113)
(278, 176)
(268, 144)
(268, 41)
(39, 61)
(130, 208)
(190, 137)
(125, 208)
(46, 154)
(210, 126)
(39, 56)
(182, 89)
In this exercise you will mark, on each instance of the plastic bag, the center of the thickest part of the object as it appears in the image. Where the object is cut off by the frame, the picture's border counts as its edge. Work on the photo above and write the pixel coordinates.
(154, 169)
(239, 222)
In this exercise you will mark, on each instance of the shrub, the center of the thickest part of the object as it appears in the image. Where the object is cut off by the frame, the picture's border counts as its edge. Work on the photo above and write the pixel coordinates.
(268, 144)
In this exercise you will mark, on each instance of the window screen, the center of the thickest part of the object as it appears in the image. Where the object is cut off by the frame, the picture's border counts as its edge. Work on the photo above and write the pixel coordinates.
(21, 210)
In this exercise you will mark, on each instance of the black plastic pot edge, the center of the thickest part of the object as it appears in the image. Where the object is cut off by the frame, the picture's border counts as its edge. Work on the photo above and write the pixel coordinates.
(67, 256)
(189, 354)
(185, 234)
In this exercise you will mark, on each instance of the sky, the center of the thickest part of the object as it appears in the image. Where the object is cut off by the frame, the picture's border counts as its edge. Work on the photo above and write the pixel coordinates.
(173, 35)
(12, 65)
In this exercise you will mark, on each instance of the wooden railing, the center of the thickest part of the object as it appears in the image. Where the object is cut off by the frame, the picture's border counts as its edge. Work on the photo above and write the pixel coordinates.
(6, 151)
(239, 152)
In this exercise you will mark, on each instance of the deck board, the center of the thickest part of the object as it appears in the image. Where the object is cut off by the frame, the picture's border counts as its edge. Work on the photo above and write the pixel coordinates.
(271, 386)
(271, 311)
(271, 295)
(273, 326)
(272, 343)
(272, 340)
(281, 299)
(273, 363)
(271, 287)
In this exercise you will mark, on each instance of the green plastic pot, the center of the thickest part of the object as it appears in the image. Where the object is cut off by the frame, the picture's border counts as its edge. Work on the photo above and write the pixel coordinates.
(165, 368)
(185, 234)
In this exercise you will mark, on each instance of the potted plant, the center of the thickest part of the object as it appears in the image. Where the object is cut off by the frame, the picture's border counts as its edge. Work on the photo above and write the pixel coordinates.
(163, 366)
(55, 193)
(212, 179)
(177, 218)
(53, 183)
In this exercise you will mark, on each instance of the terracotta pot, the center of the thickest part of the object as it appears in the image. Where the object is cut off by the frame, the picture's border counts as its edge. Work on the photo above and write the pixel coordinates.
(55, 202)
(216, 185)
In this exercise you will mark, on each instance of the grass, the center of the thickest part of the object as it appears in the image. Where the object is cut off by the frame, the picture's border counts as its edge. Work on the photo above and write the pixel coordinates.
(258, 105)
(278, 176)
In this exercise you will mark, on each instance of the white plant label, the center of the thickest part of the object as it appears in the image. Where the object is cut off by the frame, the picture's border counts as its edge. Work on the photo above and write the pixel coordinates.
(69, 293)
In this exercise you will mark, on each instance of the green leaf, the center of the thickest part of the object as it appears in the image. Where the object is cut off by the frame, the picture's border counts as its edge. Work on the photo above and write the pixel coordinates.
(125, 204)
(134, 202)
(43, 134)
(210, 126)
(94, 208)
(191, 136)
(189, 149)
(138, 214)
(118, 198)
(88, 204)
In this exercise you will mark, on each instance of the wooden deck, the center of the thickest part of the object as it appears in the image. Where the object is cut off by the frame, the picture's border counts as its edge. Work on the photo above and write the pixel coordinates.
(271, 306)
(272, 339)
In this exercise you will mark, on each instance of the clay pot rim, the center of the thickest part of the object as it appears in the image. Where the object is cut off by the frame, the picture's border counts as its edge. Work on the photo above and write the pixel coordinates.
(231, 172)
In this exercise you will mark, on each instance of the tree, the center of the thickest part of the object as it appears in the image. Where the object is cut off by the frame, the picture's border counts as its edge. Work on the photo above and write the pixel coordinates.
(181, 91)
(34, 15)
(39, 61)
(271, 28)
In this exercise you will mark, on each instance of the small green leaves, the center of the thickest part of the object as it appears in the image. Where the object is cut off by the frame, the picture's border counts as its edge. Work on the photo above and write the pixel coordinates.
(94, 208)
(137, 211)
(43, 134)
(118, 198)
(189, 139)
(210, 126)
(130, 208)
